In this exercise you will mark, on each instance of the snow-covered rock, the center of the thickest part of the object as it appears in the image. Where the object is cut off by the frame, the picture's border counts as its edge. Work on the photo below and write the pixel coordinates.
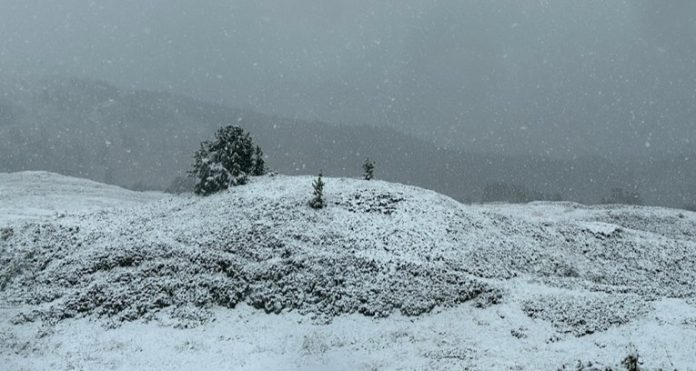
(551, 283)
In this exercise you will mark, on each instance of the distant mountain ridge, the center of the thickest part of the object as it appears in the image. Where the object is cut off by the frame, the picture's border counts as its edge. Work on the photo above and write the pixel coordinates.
(144, 140)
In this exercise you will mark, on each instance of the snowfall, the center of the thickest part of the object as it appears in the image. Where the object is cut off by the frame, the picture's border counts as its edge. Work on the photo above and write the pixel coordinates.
(387, 276)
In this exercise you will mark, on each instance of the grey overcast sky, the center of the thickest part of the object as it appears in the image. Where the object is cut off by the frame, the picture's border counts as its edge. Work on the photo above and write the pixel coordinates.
(562, 77)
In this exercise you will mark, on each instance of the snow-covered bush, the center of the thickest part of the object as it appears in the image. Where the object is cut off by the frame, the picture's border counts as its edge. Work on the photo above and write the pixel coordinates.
(228, 160)
(6, 233)
(586, 315)
(631, 362)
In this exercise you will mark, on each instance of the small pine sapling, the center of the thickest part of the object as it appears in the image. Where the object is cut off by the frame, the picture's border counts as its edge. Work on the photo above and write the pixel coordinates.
(368, 169)
(317, 201)
(632, 362)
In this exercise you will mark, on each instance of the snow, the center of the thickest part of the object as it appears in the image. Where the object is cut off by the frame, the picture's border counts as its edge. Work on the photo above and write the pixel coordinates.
(387, 276)
(39, 195)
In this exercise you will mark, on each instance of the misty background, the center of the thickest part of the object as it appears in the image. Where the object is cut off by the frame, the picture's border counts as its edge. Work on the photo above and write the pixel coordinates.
(568, 97)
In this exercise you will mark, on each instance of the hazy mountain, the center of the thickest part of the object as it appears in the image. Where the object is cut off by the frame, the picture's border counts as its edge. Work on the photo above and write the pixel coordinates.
(145, 139)
(669, 179)
(566, 77)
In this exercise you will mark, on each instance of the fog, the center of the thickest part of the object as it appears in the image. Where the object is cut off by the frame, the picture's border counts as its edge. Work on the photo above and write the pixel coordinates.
(561, 78)
(555, 76)
(347, 184)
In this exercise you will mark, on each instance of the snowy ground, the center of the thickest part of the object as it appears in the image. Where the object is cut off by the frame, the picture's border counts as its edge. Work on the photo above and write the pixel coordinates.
(39, 195)
(387, 277)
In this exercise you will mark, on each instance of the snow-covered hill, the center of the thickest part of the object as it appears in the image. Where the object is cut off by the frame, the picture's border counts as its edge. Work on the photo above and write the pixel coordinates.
(40, 194)
(387, 276)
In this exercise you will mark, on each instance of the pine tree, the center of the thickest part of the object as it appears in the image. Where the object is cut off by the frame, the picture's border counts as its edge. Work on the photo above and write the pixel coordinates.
(226, 161)
(236, 175)
(208, 181)
(368, 169)
(259, 163)
(318, 201)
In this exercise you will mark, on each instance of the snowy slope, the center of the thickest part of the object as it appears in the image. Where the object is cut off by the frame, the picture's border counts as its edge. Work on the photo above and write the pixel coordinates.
(387, 276)
(39, 194)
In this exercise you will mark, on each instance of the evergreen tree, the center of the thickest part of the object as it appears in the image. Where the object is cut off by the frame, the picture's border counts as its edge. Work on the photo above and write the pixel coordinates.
(226, 161)
(208, 181)
(318, 201)
(259, 163)
(368, 169)
(237, 176)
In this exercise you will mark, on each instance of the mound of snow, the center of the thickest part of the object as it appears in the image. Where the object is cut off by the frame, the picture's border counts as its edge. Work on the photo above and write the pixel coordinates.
(377, 248)
(568, 281)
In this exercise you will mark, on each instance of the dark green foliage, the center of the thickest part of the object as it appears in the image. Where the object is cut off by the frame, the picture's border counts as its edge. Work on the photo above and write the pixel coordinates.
(259, 163)
(368, 169)
(317, 201)
(226, 161)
